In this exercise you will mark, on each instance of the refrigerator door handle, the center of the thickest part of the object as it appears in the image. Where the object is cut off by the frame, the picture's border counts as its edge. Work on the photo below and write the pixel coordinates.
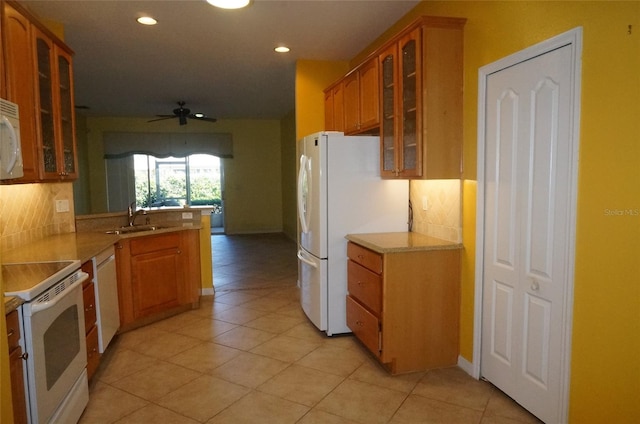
(301, 198)
(305, 260)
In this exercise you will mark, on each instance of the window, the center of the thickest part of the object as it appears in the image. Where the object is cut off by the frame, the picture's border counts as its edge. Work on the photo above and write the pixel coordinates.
(194, 180)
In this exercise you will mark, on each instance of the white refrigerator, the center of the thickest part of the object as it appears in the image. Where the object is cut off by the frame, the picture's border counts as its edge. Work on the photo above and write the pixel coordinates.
(339, 191)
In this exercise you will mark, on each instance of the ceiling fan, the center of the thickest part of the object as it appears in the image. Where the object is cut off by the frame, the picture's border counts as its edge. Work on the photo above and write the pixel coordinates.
(182, 114)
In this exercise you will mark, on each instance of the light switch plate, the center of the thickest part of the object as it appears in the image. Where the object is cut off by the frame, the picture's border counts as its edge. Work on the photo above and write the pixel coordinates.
(62, 205)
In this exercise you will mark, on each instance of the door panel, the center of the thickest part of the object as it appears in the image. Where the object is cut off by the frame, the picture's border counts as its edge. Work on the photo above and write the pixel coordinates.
(527, 228)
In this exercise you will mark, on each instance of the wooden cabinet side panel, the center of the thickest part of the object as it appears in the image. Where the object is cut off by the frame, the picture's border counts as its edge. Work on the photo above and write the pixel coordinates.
(442, 102)
(421, 297)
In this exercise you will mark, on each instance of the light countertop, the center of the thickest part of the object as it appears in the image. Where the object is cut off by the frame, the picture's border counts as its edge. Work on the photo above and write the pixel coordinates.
(70, 246)
(401, 242)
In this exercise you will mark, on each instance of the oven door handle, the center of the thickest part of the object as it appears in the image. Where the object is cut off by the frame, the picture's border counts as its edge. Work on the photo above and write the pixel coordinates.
(41, 306)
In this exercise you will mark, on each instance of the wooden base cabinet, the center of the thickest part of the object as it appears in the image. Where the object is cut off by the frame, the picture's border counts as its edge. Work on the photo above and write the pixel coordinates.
(158, 275)
(90, 320)
(404, 306)
(16, 360)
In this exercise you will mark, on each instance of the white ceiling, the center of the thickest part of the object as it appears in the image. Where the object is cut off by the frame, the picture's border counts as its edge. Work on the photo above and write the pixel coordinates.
(220, 62)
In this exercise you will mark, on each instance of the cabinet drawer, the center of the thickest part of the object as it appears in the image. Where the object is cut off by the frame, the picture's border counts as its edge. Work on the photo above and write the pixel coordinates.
(89, 300)
(93, 356)
(148, 244)
(13, 329)
(364, 325)
(88, 268)
(364, 285)
(365, 257)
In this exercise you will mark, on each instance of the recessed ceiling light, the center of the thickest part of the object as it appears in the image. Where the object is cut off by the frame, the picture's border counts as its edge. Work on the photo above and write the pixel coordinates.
(229, 4)
(147, 20)
(282, 49)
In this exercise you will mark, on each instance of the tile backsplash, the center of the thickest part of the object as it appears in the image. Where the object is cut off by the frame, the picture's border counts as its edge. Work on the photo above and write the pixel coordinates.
(442, 217)
(28, 212)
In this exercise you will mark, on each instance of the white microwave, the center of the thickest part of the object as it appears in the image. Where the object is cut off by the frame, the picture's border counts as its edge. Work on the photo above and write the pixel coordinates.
(10, 149)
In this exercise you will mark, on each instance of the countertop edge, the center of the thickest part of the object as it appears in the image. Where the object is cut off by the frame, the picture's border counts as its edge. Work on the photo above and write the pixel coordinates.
(401, 242)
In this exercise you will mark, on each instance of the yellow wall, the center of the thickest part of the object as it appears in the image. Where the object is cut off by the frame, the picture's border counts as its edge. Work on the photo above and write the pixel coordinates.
(252, 187)
(312, 77)
(605, 374)
(289, 162)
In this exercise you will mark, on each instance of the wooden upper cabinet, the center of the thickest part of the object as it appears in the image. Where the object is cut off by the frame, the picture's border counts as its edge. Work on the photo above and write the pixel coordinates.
(369, 96)
(40, 80)
(410, 92)
(20, 75)
(334, 107)
(427, 101)
(361, 99)
(351, 87)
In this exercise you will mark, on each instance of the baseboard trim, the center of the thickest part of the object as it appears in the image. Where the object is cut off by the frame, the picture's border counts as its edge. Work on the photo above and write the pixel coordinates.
(466, 366)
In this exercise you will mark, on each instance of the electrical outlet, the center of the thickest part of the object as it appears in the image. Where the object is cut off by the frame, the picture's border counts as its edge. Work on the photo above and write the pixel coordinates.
(62, 205)
(187, 215)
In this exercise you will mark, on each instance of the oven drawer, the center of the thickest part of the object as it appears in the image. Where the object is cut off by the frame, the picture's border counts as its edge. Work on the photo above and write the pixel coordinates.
(365, 257)
(364, 325)
(365, 285)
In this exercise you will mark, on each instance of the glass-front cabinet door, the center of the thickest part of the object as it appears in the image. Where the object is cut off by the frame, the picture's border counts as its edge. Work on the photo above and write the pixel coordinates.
(46, 129)
(66, 117)
(388, 86)
(401, 89)
(56, 137)
(410, 90)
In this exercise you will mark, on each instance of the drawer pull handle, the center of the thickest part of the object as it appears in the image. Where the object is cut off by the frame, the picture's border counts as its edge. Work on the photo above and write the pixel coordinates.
(360, 323)
(360, 283)
(11, 332)
(25, 355)
(361, 257)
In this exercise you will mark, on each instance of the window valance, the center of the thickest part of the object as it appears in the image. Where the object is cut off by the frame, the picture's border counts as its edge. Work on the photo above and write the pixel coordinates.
(122, 144)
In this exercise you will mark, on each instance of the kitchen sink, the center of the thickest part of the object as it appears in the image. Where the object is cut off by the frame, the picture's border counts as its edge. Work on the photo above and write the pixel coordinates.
(135, 229)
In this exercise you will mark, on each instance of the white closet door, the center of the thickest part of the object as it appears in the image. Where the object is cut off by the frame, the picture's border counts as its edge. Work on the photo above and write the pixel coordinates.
(527, 228)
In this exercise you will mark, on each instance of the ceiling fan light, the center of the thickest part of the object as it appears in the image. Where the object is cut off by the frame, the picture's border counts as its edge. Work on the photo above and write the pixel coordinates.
(146, 20)
(229, 4)
(199, 115)
(282, 49)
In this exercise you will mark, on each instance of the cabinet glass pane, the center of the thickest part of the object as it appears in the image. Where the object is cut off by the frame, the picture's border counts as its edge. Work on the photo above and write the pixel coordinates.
(64, 76)
(409, 101)
(388, 114)
(46, 106)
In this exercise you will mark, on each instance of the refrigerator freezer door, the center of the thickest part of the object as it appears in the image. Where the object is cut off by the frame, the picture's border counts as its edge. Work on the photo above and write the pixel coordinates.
(312, 194)
(313, 288)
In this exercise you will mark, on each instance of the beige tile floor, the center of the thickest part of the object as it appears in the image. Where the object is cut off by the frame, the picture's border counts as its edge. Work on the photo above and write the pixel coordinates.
(249, 355)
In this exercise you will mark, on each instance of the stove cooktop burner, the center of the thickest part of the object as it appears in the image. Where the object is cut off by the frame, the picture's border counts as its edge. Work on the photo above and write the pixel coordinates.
(27, 280)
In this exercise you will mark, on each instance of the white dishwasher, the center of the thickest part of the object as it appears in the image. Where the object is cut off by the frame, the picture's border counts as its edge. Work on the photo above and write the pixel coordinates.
(106, 288)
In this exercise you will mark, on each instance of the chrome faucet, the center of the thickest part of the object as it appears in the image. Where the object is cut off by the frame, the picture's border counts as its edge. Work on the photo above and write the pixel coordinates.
(132, 213)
